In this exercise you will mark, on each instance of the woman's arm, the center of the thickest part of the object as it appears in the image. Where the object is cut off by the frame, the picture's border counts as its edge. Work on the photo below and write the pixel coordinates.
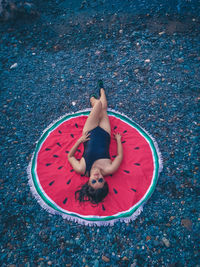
(117, 161)
(77, 165)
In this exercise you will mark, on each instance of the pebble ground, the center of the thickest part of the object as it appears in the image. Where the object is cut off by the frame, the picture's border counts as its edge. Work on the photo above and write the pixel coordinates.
(148, 55)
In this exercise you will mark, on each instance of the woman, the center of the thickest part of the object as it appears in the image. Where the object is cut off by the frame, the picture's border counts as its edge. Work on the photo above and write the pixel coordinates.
(95, 162)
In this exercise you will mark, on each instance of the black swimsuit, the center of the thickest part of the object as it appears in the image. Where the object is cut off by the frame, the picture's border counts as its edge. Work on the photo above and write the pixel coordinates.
(96, 148)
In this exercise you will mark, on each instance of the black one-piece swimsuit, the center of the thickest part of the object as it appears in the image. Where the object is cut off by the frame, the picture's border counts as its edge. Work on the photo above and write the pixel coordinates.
(96, 148)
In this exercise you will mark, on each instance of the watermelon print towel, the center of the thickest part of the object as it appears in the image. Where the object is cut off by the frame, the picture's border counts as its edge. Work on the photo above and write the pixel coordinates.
(54, 182)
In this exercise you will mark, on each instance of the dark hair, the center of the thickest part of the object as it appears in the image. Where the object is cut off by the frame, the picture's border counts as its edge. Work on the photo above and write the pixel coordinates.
(88, 193)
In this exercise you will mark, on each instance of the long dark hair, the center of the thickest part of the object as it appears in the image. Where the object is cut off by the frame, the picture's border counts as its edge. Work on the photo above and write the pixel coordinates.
(88, 193)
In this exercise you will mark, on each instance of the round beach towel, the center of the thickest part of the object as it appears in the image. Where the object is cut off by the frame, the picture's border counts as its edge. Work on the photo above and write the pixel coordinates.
(54, 182)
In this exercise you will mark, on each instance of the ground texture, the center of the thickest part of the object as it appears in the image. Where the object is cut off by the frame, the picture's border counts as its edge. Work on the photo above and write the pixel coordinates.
(148, 56)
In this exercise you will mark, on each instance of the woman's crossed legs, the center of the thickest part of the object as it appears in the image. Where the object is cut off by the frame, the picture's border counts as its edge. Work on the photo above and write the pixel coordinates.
(98, 115)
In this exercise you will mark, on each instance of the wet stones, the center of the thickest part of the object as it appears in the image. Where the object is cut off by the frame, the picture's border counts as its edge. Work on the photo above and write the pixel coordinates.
(151, 73)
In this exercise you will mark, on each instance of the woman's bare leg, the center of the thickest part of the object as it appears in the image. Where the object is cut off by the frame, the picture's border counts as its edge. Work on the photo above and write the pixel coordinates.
(104, 119)
(94, 116)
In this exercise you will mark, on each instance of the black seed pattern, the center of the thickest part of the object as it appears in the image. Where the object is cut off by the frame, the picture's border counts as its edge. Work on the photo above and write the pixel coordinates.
(51, 182)
(71, 170)
(111, 175)
(59, 131)
(59, 168)
(65, 200)
(137, 147)
(115, 127)
(67, 151)
(125, 131)
(133, 189)
(76, 125)
(47, 149)
(72, 135)
(79, 150)
(55, 156)
(123, 142)
(48, 164)
(137, 164)
(69, 181)
(126, 171)
(103, 208)
(114, 156)
(58, 144)
(115, 191)
(82, 175)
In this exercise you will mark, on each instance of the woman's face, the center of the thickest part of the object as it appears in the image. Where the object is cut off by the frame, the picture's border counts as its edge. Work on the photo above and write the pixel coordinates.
(96, 179)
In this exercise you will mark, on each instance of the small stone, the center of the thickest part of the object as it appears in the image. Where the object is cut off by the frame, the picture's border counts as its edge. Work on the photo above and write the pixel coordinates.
(166, 242)
(125, 258)
(134, 264)
(97, 52)
(96, 263)
(14, 66)
(106, 259)
(147, 60)
(161, 33)
(156, 243)
(148, 238)
(49, 262)
(73, 103)
(180, 60)
(187, 223)
(120, 31)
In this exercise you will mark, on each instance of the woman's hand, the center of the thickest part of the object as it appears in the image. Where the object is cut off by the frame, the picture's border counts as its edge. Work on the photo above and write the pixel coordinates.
(118, 137)
(84, 137)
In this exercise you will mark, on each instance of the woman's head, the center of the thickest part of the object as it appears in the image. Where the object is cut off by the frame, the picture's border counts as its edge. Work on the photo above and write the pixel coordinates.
(96, 179)
(89, 193)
